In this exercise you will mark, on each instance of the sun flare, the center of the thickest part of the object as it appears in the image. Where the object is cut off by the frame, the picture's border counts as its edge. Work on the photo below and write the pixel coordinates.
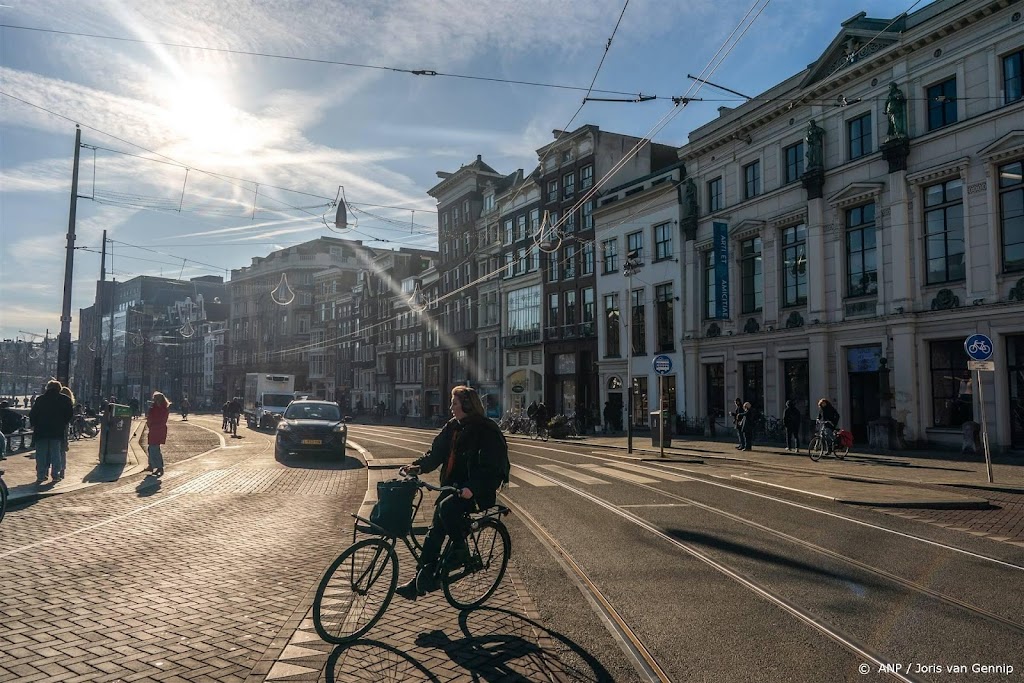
(206, 120)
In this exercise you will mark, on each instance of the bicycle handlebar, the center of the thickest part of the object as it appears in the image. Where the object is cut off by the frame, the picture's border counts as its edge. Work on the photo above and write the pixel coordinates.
(430, 487)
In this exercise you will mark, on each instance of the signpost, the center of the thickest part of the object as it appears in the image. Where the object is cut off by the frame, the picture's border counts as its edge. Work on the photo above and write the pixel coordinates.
(979, 350)
(662, 366)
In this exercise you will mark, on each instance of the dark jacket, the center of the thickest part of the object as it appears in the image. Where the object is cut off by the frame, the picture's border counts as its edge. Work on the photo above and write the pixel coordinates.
(791, 417)
(829, 414)
(50, 415)
(746, 420)
(10, 420)
(478, 457)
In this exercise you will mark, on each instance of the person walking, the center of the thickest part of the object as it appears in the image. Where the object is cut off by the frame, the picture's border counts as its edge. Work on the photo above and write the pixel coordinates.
(737, 416)
(791, 421)
(185, 407)
(472, 450)
(50, 417)
(156, 424)
(747, 426)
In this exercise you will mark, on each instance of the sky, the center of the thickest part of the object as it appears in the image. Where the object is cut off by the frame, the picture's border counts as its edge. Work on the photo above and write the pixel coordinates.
(197, 160)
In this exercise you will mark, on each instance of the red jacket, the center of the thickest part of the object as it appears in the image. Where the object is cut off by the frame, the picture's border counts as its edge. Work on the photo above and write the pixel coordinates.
(156, 418)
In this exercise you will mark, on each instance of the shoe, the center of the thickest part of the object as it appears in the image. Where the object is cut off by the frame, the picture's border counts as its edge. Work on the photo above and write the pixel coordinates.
(426, 582)
(158, 472)
(148, 469)
(739, 448)
(748, 449)
(408, 590)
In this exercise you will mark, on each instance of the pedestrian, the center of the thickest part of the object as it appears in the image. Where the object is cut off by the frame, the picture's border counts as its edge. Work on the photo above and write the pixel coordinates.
(472, 451)
(50, 417)
(224, 414)
(747, 426)
(791, 421)
(185, 406)
(403, 411)
(156, 424)
(737, 415)
(66, 391)
(541, 418)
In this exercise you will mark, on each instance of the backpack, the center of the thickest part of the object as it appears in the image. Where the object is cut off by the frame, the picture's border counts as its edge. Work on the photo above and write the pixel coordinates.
(394, 507)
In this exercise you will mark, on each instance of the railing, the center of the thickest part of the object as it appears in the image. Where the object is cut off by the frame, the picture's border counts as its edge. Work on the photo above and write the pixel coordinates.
(521, 338)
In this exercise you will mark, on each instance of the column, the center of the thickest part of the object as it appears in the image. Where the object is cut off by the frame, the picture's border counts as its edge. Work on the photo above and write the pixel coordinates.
(900, 231)
(816, 304)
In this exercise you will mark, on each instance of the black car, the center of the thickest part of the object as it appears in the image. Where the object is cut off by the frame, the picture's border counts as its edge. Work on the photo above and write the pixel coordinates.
(311, 427)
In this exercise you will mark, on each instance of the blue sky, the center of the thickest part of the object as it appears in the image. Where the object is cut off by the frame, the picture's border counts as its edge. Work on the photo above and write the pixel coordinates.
(313, 127)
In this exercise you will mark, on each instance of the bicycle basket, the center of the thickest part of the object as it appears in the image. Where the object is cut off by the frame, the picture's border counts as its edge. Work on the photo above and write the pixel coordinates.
(845, 438)
(393, 510)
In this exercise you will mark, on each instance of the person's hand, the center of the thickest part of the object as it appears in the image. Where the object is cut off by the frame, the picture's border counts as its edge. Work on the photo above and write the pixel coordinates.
(409, 470)
(465, 493)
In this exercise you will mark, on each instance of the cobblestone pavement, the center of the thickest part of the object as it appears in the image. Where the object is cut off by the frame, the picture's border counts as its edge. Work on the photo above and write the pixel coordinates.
(1003, 522)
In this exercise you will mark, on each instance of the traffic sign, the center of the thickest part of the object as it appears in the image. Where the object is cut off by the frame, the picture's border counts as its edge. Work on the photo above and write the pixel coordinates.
(984, 365)
(978, 347)
(662, 364)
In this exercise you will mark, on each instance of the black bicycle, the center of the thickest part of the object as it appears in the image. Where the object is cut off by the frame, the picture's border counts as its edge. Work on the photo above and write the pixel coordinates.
(357, 588)
(3, 496)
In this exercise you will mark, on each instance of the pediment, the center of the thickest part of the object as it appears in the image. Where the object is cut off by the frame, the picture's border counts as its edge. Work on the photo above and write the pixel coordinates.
(746, 228)
(859, 39)
(854, 193)
(1011, 144)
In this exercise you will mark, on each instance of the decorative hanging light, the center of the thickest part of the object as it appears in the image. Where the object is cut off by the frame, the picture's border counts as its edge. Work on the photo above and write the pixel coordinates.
(283, 294)
(341, 218)
(547, 238)
(418, 300)
(187, 330)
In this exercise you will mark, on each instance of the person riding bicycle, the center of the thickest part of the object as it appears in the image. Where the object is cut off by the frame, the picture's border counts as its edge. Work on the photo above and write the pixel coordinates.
(234, 415)
(828, 416)
(470, 449)
(540, 417)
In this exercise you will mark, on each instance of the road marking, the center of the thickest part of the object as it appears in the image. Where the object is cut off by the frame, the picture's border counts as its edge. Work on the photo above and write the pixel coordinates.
(578, 476)
(282, 670)
(661, 474)
(657, 505)
(530, 478)
(618, 474)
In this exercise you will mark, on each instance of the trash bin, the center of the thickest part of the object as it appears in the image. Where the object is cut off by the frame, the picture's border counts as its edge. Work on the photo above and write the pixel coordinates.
(656, 430)
(114, 434)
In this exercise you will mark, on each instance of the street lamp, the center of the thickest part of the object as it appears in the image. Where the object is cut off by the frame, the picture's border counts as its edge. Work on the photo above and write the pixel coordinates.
(631, 265)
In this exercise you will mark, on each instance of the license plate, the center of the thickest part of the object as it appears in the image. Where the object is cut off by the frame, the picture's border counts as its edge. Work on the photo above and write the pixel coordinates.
(312, 442)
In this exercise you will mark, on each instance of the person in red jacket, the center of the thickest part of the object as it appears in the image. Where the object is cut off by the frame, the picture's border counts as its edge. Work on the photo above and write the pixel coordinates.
(156, 423)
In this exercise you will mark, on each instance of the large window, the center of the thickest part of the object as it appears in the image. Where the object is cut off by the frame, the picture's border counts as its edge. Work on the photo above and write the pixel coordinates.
(858, 136)
(524, 310)
(1011, 215)
(588, 215)
(714, 384)
(751, 276)
(610, 251)
(715, 194)
(568, 185)
(861, 270)
(942, 104)
(952, 390)
(553, 300)
(508, 231)
(569, 264)
(662, 241)
(1013, 77)
(665, 321)
(570, 308)
(554, 265)
(611, 325)
(944, 231)
(794, 265)
(587, 259)
(797, 385)
(586, 177)
(752, 180)
(752, 387)
(794, 162)
(552, 190)
(638, 322)
(521, 228)
(635, 246)
(710, 292)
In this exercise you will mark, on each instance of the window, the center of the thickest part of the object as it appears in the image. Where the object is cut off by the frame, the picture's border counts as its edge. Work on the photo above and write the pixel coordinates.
(858, 136)
(861, 273)
(586, 177)
(952, 390)
(665, 317)
(1013, 67)
(444, 222)
(714, 383)
(751, 276)
(944, 231)
(521, 228)
(1011, 215)
(794, 162)
(611, 325)
(569, 264)
(587, 260)
(554, 262)
(570, 222)
(570, 308)
(752, 180)
(662, 241)
(588, 215)
(508, 232)
(568, 185)
(552, 190)
(589, 311)
(610, 251)
(553, 309)
(489, 203)
(455, 216)
(638, 323)
(534, 222)
(635, 246)
(715, 194)
(794, 265)
(942, 104)
(797, 384)
(710, 293)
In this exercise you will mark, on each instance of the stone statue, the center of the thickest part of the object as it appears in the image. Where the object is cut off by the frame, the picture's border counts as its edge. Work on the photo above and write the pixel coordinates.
(690, 208)
(896, 111)
(814, 159)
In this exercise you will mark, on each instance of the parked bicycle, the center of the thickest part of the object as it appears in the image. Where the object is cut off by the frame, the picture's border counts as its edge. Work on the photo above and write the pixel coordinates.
(357, 588)
(83, 427)
(826, 441)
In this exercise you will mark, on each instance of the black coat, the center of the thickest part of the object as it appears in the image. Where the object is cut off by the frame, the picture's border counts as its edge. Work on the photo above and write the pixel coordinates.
(791, 417)
(50, 415)
(480, 451)
(829, 414)
(745, 420)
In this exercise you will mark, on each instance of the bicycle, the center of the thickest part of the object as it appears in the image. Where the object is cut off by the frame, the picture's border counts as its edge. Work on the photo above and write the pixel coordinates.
(358, 586)
(4, 493)
(233, 424)
(825, 440)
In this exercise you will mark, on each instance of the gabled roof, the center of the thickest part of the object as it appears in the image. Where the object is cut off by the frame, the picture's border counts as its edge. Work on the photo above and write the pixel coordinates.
(859, 38)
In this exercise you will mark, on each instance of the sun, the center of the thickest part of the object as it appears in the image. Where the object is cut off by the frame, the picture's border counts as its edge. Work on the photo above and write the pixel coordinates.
(197, 109)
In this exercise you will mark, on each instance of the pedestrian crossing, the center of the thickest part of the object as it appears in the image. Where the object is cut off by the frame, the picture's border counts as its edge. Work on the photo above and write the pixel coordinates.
(591, 474)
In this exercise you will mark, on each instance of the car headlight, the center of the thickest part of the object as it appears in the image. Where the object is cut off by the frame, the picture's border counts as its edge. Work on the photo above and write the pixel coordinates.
(340, 428)
(283, 426)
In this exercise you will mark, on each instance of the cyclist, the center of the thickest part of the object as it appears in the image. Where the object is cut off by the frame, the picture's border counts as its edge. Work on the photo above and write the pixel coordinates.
(470, 449)
(234, 414)
(828, 418)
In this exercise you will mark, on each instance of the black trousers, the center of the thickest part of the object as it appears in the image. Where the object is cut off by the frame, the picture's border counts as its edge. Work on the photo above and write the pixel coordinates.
(792, 437)
(449, 520)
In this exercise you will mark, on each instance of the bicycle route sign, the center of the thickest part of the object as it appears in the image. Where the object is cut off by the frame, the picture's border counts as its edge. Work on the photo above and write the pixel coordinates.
(662, 365)
(978, 347)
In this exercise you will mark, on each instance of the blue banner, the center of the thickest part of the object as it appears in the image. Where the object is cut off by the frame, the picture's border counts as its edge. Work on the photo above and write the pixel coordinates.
(721, 255)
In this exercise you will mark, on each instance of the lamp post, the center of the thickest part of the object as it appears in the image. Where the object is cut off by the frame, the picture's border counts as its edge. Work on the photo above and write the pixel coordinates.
(629, 267)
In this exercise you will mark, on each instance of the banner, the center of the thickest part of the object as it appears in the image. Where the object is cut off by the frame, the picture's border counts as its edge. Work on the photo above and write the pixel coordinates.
(721, 255)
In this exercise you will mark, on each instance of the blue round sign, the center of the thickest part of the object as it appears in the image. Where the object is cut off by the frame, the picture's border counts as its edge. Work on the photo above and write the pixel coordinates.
(662, 365)
(978, 347)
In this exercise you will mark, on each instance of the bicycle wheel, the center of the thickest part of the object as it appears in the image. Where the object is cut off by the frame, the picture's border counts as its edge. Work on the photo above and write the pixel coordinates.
(816, 448)
(3, 499)
(466, 587)
(355, 591)
(840, 450)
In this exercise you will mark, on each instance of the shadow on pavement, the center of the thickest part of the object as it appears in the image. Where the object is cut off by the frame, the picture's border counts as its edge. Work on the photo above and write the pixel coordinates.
(307, 461)
(149, 486)
(376, 660)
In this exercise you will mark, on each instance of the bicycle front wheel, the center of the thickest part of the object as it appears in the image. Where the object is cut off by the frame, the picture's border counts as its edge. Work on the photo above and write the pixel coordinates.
(816, 448)
(469, 586)
(355, 591)
(3, 499)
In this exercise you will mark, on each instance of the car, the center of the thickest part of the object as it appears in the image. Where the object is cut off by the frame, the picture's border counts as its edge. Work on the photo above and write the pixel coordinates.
(310, 426)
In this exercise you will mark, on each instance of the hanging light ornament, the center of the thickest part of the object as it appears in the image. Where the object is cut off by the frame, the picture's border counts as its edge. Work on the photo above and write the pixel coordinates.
(187, 330)
(283, 294)
(418, 301)
(341, 220)
(137, 339)
(547, 238)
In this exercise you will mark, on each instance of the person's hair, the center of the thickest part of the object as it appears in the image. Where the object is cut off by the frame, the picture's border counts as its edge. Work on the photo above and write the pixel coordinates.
(160, 399)
(70, 394)
(737, 401)
(469, 400)
(54, 386)
(823, 402)
(747, 405)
